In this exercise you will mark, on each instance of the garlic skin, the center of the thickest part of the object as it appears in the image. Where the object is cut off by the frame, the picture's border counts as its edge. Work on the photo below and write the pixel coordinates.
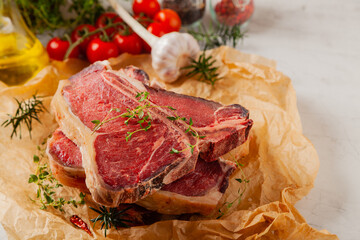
(172, 52)
(169, 53)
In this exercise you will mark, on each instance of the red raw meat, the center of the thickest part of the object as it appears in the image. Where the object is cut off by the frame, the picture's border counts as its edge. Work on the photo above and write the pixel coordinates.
(120, 171)
(196, 192)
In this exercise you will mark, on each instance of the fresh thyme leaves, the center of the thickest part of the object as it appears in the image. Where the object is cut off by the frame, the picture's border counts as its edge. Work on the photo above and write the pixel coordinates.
(218, 35)
(47, 184)
(227, 205)
(43, 15)
(142, 95)
(26, 112)
(204, 68)
(87, 11)
(110, 217)
(139, 113)
(144, 120)
(190, 130)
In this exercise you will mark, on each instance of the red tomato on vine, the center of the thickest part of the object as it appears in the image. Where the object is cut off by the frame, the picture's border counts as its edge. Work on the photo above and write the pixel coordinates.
(130, 43)
(107, 18)
(99, 50)
(169, 18)
(57, 48)
(80, 31)
(148, 7)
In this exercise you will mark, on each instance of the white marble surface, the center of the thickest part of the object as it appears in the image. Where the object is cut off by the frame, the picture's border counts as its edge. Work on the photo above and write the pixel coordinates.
(317, 44)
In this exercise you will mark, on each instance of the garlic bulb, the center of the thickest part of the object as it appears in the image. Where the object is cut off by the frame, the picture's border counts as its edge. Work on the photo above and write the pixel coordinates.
(172, 52)
(169, 53)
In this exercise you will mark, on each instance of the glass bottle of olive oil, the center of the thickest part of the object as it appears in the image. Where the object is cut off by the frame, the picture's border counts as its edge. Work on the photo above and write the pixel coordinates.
(21, 53)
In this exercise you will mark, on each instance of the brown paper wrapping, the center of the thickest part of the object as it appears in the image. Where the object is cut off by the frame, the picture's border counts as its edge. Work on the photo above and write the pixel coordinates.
(281, 166)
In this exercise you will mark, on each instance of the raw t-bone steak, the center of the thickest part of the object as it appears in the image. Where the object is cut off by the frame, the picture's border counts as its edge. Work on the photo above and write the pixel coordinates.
(65, 161)
(119, 171)
(197, 192)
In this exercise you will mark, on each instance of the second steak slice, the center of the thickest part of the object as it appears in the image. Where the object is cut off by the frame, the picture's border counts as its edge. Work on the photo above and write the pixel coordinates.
(197, 192)
(120, 171)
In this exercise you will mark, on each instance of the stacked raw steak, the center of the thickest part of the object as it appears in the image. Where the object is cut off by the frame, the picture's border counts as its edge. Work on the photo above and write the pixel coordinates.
(198, 191)
(118, 171)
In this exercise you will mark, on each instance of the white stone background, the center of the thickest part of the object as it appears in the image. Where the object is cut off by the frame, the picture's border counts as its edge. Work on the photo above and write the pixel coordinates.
(317, 44)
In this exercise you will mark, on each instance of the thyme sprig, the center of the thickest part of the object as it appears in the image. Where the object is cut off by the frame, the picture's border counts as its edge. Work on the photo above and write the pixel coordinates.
(204, 68)
(144, 119)
(112, 217)
(217, 35)
(27, 111)
(227, 205)
(46, 186)
(44, 15)
(190, 130)
(139, 113)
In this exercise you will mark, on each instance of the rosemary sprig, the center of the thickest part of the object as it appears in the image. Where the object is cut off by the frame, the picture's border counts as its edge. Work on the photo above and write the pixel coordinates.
(144, 120)
(211, 38)
(110, 217)
(228, 205)
(47, 184)
(26, 112)
(218, 35)
(204, 69)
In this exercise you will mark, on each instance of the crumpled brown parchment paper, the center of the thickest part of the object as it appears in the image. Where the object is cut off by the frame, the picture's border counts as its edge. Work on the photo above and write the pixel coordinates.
(281, 166)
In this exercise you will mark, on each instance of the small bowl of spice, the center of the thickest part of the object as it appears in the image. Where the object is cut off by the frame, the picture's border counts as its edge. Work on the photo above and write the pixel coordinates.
(190, 11)
(232, 12)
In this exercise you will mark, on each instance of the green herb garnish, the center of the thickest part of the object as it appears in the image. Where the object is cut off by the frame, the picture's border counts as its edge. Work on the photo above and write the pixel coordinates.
(139, 113)
(204, 68)
(219, 35)
(45, 15)
(227, 205)
(26, 112)
(190, 130)
(47, 184)
(144, 119)
(110, 217)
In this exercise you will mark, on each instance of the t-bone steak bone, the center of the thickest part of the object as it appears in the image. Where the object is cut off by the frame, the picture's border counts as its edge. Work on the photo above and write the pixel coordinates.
(225, 127)
(118, 171)
(197, 192)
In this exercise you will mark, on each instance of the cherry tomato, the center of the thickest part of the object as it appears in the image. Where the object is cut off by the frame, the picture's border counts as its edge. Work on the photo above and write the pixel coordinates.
(143, 20)
(57, 48)
(99, 50)
(79, 32)
(158, 29)
(105, 19)
(170, 18)
(149, 7)
(128, 43)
